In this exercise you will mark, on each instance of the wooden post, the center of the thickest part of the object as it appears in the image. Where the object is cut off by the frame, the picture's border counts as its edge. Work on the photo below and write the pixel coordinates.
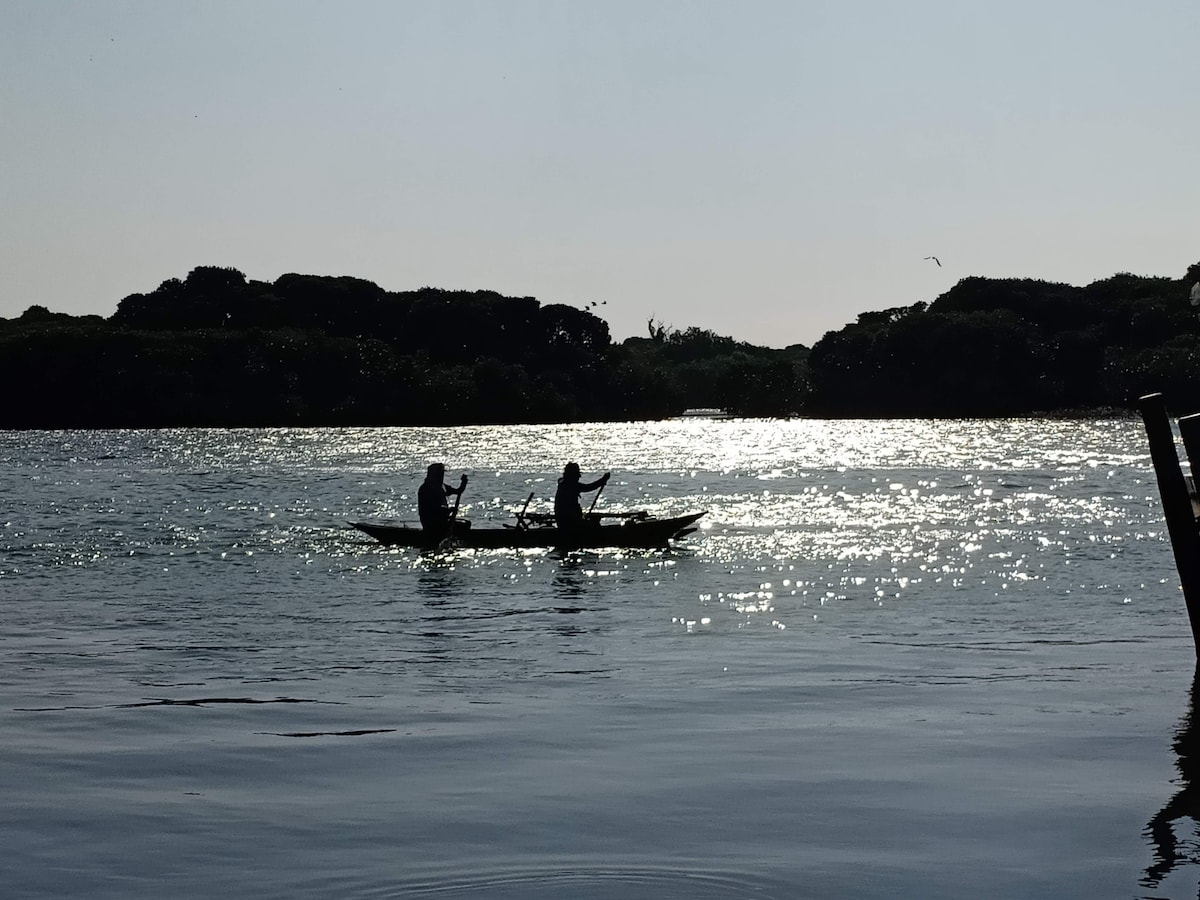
(1189, 430)
(1176, 502)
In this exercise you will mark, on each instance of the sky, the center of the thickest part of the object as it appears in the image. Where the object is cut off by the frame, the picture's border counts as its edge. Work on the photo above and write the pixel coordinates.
(765, 169)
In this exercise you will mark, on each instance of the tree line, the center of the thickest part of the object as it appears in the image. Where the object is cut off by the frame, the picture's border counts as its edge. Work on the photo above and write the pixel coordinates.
(1000, 347)
(219, 349)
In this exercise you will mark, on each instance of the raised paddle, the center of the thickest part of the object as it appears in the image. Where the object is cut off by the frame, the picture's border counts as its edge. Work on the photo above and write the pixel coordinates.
(453, 515)
(462, 484)
(597, 497)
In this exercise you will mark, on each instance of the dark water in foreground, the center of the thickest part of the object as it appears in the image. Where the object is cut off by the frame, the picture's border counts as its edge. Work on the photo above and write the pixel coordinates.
(904, 659)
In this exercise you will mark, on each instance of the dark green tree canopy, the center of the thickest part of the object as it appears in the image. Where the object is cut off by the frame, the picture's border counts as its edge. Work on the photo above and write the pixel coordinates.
(1007, 346)
(217, 348)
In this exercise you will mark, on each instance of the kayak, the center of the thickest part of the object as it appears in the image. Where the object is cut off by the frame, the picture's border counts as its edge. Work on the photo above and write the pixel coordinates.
(637, 531)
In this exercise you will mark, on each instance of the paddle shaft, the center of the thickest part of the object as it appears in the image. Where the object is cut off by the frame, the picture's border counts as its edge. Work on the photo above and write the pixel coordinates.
(597, 497)
(457, 499)
(521, 514)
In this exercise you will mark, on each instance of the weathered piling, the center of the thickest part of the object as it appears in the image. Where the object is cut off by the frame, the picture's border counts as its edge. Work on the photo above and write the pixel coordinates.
(1189, 430)
(1176, 496)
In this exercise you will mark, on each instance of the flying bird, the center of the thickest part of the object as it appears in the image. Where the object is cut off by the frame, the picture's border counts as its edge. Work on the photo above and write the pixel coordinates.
(936, 260)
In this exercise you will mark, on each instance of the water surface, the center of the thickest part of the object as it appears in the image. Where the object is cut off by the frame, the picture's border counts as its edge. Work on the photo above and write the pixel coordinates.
(906, 658)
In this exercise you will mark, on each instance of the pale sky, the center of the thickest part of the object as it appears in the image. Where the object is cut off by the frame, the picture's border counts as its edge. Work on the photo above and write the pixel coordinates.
(766, 170)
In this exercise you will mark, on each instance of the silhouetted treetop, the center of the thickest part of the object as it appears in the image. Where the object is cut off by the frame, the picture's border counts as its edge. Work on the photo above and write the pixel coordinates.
(1005, 346)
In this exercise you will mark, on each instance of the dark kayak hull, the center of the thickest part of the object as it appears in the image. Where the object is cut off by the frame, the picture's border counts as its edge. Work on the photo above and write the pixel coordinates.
(633, 533)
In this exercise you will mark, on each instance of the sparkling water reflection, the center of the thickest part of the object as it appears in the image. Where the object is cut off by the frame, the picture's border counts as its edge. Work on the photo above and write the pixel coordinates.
(900, 658)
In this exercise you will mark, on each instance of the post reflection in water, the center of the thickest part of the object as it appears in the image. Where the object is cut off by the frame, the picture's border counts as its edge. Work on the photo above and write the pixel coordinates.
(1169, 853)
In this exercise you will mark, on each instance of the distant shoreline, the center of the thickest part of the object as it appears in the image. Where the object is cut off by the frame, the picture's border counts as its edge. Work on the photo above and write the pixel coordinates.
(1063, 415)
(218, 350)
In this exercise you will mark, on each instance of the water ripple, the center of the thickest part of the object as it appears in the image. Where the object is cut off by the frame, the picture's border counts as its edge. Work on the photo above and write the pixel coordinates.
(592, 881)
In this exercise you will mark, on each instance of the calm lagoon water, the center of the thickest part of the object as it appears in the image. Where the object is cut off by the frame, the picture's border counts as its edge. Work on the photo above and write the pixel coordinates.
(902, 659)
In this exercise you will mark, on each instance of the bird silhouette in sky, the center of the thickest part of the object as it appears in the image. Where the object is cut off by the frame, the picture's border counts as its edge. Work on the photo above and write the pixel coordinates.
(936, 260)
